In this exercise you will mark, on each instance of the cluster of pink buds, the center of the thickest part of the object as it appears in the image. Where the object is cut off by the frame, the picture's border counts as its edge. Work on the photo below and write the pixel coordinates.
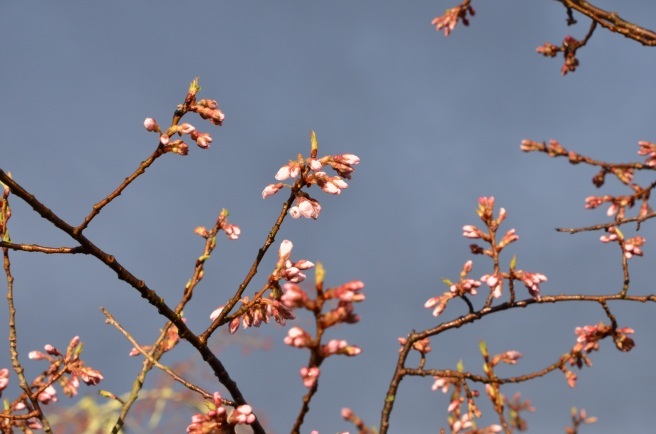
(232, 231)
(286, 269)
(310, 170)
(630, 247)
(62, 364)
(203, 140)
(423, 345)
(449, 20)
(588, 337)
(294, 297)
(259, 311)
(170, 341)
(206, 108)
(218, 420)
(648, 149)
(468, 286)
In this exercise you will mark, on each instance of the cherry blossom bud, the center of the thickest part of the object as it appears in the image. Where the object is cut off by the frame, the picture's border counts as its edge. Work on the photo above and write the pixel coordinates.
(314, 164)
(151, 125)
(285, 249)
(164, 139)
(4, 378)
(271, 189)
(185, 128)
(309, 376)
(215, 314)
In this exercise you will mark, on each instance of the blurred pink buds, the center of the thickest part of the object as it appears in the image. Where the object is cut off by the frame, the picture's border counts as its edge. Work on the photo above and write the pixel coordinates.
(449, 20)
(309, 376)
(648, 149)
(423, 345)
(335, 346)
(299, 338)
(548, 50)
(4, 379)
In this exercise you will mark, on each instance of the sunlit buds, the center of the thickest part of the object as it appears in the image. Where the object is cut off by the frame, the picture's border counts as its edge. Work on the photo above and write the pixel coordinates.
(151, 125)
(305, 207)
(485, 208)
(202, 231)
(548, 50)
(177, 147)
(185, 128)
(508, 238)
(314, 164)
(271, 189)
(423, 345)
(203, 140)
(532, 282)
(337, 346)
(164, 139)
(530, 146)
(290, 170)
(214, 115)
(438, 304)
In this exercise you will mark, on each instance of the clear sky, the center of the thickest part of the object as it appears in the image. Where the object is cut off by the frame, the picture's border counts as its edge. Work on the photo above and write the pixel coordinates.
(437, 122)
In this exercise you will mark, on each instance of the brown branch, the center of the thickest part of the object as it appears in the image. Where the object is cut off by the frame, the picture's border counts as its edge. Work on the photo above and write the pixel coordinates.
(146, 292)
(111, 320)
(400, 370)
(113, 195)
(41, 249)
(638, 219)
(612, 21)
(157, 352)
(271, 237)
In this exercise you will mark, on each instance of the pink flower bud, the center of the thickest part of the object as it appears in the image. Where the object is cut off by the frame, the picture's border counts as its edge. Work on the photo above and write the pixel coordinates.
(151, 125)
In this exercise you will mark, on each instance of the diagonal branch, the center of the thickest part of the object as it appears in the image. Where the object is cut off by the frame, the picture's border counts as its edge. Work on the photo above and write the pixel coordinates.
(146, 292)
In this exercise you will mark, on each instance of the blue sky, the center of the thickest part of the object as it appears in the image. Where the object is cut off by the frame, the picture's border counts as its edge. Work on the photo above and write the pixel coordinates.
(437, 122)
